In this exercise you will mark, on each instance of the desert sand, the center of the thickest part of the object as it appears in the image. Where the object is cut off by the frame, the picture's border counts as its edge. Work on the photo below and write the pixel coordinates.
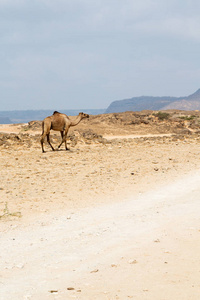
(113, 218)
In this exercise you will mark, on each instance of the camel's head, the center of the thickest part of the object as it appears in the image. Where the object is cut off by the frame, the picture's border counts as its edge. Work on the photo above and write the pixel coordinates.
(83, 115)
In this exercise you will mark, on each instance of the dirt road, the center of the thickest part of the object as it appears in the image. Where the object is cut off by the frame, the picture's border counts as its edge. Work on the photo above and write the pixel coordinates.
(143, 248)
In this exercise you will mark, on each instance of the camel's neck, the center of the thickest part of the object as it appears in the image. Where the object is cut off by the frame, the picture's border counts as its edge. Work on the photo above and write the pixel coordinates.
(76, 121)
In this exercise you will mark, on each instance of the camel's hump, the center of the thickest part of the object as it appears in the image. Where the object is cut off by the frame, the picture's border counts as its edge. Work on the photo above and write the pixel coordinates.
(56, 112)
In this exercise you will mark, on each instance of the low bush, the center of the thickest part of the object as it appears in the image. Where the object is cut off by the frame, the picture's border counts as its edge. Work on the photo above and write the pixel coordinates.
(162, 115)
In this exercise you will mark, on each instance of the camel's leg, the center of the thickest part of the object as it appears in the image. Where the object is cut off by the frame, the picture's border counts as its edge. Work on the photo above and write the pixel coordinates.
(48, 140)
(61, 132)
(42, 142)
(42, 137)
(46, 127)
(64, 138)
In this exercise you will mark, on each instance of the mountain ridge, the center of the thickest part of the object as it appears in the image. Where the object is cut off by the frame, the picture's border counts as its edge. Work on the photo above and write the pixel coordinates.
(191, 102)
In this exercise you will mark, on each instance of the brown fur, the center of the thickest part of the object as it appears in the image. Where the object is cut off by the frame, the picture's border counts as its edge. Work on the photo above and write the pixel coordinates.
(59, 122)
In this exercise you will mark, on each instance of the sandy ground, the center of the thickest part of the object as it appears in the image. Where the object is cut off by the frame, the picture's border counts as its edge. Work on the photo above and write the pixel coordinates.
(101, 221)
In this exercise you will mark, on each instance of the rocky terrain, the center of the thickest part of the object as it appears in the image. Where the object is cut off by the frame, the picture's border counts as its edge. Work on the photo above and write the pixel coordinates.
(115, 217)
(96, 129)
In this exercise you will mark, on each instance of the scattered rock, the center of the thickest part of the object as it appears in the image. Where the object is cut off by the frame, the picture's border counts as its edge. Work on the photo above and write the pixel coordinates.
(20, 266)
(132, 261)
(157, 241)
(27, 297)
(95, 271)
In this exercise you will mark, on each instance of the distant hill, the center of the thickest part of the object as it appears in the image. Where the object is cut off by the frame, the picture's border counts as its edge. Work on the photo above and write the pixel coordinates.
(5, 120)
(191, 102)
(25, 116)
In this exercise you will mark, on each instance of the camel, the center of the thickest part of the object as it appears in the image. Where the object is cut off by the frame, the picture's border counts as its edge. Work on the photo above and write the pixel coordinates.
(59, 122)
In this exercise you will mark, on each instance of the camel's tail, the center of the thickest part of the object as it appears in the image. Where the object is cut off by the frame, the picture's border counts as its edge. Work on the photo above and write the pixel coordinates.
(42, 127)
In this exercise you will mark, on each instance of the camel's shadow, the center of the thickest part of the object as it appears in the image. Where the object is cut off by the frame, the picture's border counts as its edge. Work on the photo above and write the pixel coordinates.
(61, 150)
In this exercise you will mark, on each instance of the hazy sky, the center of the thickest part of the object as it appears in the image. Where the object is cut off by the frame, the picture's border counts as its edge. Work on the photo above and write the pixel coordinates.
(75, 54)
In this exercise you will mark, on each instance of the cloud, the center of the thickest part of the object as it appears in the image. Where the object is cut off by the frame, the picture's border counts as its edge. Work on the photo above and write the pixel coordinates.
(95, 49)
(50, 21)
